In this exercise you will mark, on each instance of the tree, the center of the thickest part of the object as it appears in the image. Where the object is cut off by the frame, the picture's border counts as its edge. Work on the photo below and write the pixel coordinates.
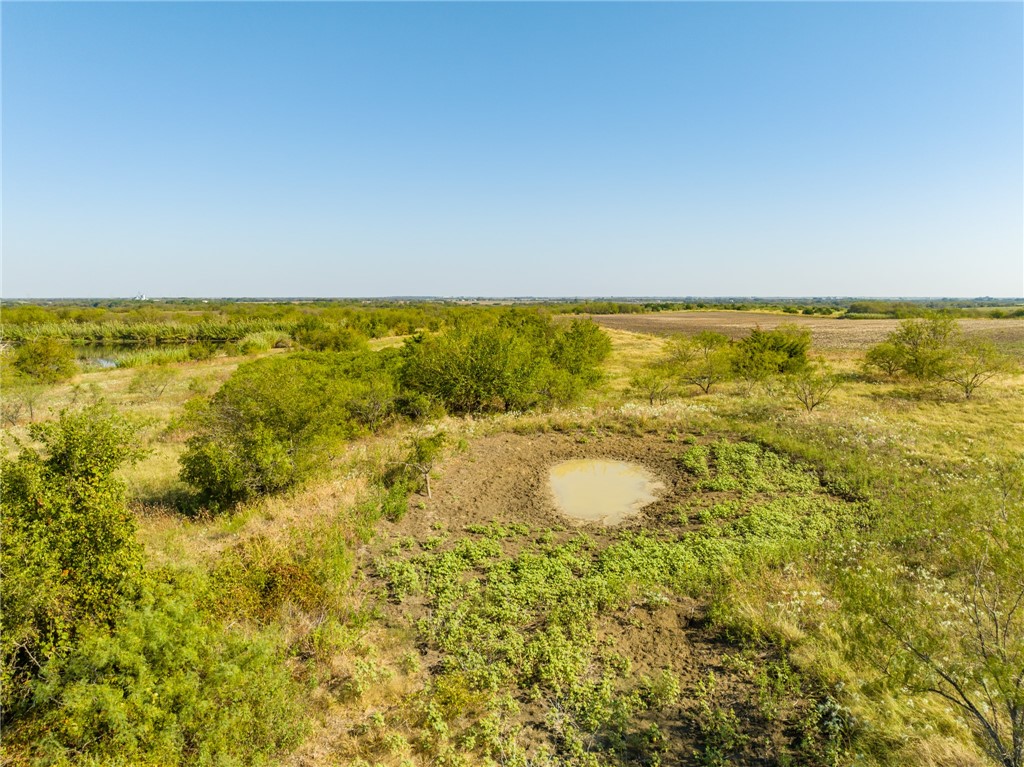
(958, 636)
(935, 349)
(922, 346)
(885, 357)
(424, 452)
(70, 555)
(151, 382)
(813, 385)
(47, 360)
(655, 382)
(580, 349)
(970, 363)
(703, 360)
(765, 353)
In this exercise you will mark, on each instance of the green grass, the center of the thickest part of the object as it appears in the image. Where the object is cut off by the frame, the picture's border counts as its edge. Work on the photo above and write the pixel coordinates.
(511, 628)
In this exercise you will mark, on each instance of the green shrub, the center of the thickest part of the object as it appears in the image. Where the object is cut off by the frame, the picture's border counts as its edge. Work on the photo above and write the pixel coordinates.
(515, 362)
(319, 335)
(274, 422)
(69, 555)
(167, 687)
(151, 382)
(47, 360)
(813, 385)
(918, 348)
(765, 353)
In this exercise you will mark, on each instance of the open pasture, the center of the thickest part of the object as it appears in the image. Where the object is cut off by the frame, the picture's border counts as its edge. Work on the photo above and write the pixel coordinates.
(829, 333)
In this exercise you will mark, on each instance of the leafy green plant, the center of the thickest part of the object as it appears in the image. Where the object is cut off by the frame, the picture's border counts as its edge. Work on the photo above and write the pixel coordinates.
(813, 385)
(164, 686)
(720, 729)
(273, 423)
(765, 353)
(654, 382)
(971, 363)
(704, 360)
(516, 362)
(70, 556)
(47, 360)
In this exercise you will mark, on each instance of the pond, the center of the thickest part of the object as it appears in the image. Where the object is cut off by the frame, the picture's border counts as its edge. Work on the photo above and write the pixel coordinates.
(92, 356)
(602, 491)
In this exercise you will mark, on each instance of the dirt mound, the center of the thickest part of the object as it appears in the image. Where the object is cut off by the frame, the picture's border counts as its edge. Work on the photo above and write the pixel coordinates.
(504, 479)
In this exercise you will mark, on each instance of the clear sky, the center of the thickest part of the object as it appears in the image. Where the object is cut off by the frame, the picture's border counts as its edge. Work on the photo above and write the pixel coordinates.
(329, 149)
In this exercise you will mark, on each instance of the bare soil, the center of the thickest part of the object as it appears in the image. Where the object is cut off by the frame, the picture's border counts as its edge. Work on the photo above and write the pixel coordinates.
(828, 333)
(504, 479)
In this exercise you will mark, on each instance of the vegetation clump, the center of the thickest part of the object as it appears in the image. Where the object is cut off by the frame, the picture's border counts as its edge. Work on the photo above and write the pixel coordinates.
(46, 360)
(935, 349)
(516, 362)
(70, 556)
(276, 420)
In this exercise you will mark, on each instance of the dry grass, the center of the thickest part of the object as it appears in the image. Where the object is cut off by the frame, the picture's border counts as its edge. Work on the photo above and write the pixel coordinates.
(629, 351)
(388, 342)
(932, 425)
(830, 334)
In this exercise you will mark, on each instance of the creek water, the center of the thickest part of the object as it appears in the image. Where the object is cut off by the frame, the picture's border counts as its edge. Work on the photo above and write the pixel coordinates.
(602, 491)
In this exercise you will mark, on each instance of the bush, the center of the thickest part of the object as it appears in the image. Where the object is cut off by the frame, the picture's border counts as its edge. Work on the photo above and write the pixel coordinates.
(919, 348)
(70, 555)
(413, 471)
(318, 335)
(765, 353)
(150, 383)
(654, 382)
(274, 421)
(519, 361)
(812, 386)
(167, 687)
(886, 357)
(47, 360)
(21, 394)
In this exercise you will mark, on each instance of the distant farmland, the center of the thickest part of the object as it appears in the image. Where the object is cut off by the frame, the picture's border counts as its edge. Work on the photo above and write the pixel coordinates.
(828, 332)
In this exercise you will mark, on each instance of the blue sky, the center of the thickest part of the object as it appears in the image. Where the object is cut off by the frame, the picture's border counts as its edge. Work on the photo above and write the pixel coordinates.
(332, 149)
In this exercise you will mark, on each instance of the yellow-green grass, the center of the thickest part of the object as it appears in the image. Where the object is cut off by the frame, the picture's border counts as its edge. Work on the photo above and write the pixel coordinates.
(932, 425)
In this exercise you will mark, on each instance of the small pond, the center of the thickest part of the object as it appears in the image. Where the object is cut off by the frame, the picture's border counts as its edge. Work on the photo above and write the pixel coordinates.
(602, 491)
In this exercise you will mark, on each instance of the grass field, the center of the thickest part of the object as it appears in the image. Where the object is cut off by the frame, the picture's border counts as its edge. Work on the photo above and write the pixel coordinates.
(483, 627)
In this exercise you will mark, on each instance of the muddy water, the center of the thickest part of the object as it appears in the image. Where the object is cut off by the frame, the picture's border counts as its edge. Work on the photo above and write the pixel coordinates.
(606, 492)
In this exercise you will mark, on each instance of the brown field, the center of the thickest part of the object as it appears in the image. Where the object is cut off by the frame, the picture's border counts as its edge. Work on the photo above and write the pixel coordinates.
(829, 333)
